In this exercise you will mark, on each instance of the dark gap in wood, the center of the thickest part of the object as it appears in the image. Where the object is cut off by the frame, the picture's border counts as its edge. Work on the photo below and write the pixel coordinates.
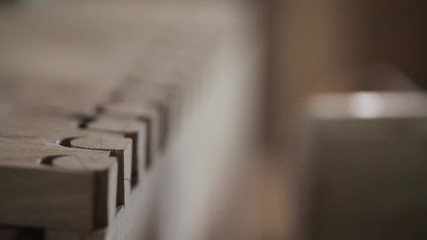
(48, 160)
(21, 233)
(66, 142)
(120, 198)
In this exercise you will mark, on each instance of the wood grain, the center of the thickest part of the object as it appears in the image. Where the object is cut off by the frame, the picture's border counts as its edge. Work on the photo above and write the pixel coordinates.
(115, 231)
(146, 114)
(135, 74)
(131, 129)
(58, 196)
(121, 149)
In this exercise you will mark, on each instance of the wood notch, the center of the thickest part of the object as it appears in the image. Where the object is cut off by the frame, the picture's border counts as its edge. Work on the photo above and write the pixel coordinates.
(128, 128)
(120, 148)
(146, 114)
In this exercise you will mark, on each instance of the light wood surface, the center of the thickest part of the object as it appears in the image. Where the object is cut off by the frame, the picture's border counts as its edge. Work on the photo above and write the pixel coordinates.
(131, 129)
(137, 78)
(115, 231)
(119, 148)
(65, 192)
(147, 116)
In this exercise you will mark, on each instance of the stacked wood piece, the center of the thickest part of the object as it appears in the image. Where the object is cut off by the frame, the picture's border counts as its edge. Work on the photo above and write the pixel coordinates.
(86, 106)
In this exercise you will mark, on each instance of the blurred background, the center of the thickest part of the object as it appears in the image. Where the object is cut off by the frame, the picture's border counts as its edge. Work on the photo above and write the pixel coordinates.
(301, 119)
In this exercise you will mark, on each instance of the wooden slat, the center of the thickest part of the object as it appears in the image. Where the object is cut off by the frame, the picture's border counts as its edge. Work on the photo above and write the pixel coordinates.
(59, 196)
(130, 77)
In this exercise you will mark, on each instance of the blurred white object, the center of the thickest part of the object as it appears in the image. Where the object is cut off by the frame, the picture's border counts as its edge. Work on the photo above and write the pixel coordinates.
(362, 167)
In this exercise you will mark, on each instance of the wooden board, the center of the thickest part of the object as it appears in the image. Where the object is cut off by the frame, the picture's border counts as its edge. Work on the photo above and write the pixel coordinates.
(115, 231)
(57, 191)
(132, 78)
